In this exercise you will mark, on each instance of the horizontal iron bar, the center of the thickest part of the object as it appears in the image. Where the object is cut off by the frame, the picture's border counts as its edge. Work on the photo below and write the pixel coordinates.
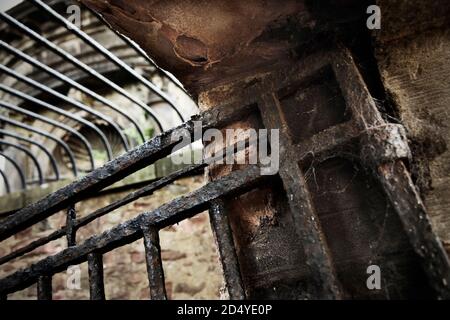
(172, 212)
(145, 191)
(47, 135)
(122, 166)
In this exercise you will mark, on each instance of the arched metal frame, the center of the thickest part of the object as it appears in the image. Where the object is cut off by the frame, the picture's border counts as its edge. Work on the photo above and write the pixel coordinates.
(24, 57)
(5, 179)
(37, 144)
(17, 55)
(55, 123)
(29, 154)
(106, 53)
(59, 111)
(68, 57)
(23, 181)
(48, 135)
(74, 103)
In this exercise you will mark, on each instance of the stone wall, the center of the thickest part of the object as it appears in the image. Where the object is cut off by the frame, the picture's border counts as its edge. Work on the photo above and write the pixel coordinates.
(189, 255)
(413, 53)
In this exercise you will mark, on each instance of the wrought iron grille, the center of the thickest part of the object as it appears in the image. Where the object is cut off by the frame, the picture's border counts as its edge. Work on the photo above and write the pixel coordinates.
(361, 134)
(49, 97)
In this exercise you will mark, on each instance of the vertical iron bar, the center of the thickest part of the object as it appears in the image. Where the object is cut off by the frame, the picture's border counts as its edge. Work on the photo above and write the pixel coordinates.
(95, 269)
(44, 288)
(228, 258)
(154, 264)
(71, 232)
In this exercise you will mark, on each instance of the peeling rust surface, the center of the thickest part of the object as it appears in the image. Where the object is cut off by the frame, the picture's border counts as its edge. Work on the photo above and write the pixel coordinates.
(203, 41)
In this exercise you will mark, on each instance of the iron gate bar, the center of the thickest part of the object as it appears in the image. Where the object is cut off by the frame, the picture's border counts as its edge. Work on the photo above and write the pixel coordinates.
(68, 57)
(57, 110)
(120, 167)
(40, 146)
(18, 168)
(96, 281)
(144, 191)
(137, 48)
(44, 288)
(54, 123)
(74, 103)
(71, 233)
(218, 217)
(29, 154)
(172, 212)
(155, 270)
(47, 135)
(67, 80)
(107, 54)
(5, 179)
(394, 177)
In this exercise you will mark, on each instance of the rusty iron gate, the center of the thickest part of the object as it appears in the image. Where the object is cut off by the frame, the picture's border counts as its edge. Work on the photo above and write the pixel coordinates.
(355, 130)
(365, 136)
(144, 226)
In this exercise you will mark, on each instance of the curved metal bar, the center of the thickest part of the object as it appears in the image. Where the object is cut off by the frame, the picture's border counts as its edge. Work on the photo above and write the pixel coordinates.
(75, 103)
(8, 190)
(57, 110)
(18, 168)
(47, 135)
(68, 57)
(24, 57)
(28, 153)
(37, 144)
(107, 54)
(54, 123)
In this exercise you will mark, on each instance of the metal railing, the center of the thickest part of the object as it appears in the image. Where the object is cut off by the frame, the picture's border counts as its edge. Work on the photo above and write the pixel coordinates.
(49, 95)
(145, 226)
